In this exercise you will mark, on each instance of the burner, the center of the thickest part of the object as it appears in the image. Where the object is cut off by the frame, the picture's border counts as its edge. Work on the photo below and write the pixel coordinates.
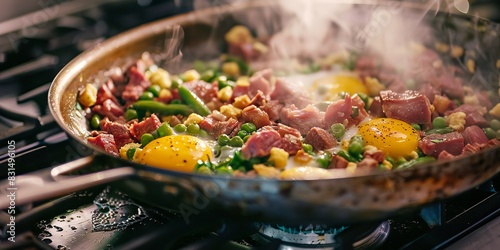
(323, 237)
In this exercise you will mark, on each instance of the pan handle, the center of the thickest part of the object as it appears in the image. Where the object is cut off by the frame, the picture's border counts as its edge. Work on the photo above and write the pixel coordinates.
(52, 183)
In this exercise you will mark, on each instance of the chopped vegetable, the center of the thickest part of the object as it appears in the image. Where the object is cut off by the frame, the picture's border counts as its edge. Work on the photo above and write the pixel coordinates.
(161, 108)
(88, 96)
(193, 101)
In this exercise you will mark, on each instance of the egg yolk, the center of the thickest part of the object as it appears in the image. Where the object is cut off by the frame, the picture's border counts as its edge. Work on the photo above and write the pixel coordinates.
(174, 152)
(394, 137)
(336, 84)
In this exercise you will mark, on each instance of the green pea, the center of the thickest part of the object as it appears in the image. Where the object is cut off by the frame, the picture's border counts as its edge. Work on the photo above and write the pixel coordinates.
(355, 148)
(490, 133)
(345, 155)
(357, 139)
(203, 133)
(249, 127)
(180, 128)
(223, 140)
(155, 90)
(495, 124)
(439, 122)
(155, 134)
(146, 138)
(337, 130)
(224, 171)
(204, 170)
(245, 139)
(207, 75)
(324, 159)
(416, 126)
(242, 133)
(176, 83)
(193, 128)
(130, 114)
(308, 148)
(131, 153)
(146, 95)
(236, 141)
(164, 129)
(94, 121)
(498, 134)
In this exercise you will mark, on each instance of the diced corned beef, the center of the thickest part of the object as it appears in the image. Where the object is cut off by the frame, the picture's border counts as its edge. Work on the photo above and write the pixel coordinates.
(445, 155)
(205, 91)
(376, 107)
(320, 139)
(409, 106)
(239, 90)
(430, 91)
(338, 162)
(368, 163)
(286, 94)
(374, 154)
(466, 108)
(483, 98)
(475, 118)
(441, 104)
(450, 85)
(492, 143)
(338, 111)
(148, 125)
(256, 116)
(131, 93)
(106, 142)
(433, 144)
(272, 108)
(258, 100)
(109, 109)
(137, 82)
(393, 81)
(104, 93)
(362, 114)
(471, 149)
(216, 127)
(260, 81)
(120, 132)
(260, 143)
(366, 66)
(302, 119)
(474, 135)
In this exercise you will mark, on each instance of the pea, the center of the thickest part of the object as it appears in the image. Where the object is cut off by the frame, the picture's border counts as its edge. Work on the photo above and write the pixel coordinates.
(439, 122)
(176, 83)
(490, 133)
(204, 170)
(355, 148)
(180, 128)
(146, 138)
(337, 130)
(155, 134)
(94, 121)
(242, 133)
(224, 171)
(236, 141)
(155, 90)
(345, 155)
(207, 75)
(223, 140)
(498, 134)
(203, 133)
(416, 126)
(308, 148)
(193, 129)
(495, 124)
(164, 130)
(130, 114)
(245, 139)
(249, 127)
(217, 150)
(131, 153)
(146, 95)
(324, 159)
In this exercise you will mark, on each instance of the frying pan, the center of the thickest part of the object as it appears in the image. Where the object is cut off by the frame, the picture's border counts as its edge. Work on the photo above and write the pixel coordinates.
(344, 200)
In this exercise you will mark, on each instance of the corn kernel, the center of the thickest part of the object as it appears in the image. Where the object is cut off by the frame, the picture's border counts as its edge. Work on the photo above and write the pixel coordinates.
(193, 118)
(351, 167)
(231, 69)
(387, 165)
(126, 147)
(191, 75)
(498, 64)
(373, 86)
(301, 157)
(471, 65)
(266, 171)
(239, 34)
(471, 100)
(225, 94)
(495, 111)
(456, 121)
(242, 101)
(88, 95)
(160, 77)
(165, 94)
(456, 51)
(260, 47)
(442, 47)
(230, 111)
(243, 81)
(279, 157)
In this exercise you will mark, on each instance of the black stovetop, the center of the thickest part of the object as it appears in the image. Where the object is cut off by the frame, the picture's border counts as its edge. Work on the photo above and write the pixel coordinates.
(30, 58)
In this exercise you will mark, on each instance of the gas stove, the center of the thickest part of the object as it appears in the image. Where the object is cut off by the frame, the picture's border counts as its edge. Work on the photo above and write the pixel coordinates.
(36, 45)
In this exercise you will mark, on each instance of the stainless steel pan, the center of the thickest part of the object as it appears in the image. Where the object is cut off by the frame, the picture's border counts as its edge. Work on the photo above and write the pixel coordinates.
(341, 201)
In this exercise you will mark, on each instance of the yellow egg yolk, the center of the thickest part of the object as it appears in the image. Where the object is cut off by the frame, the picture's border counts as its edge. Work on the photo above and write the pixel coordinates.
(335, 84)
(394, 137)
(174, 152)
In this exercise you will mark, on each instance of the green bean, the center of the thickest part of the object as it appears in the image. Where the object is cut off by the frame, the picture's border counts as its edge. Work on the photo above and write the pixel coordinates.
(223, 139)
(415, 162)
(249, 127)
(193, 128)
(193, 101)
(495, 124)
(162, 108)
(155, 90)
(146, 138)
(308, 148)
(95, 121)
(146, 95)
(176, 101)
(131, 153)
(180, 128)
(439, 122)
(242, 133)
(338, 130)
(490, 133)
(416, 126)
(130, 114)
(236, 141)
(445, 130)
(164, 129)
(345, 155)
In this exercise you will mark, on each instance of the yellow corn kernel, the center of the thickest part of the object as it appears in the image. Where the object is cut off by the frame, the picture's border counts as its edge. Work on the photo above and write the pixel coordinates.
(471, 100)
(373, 86)
(230, 111)
(442, 47)
(191, 75)
(243, 81)
(88, 95)
(239, 34)
(413, 155)
(387, 165)
(225, 94)
(471, 65)
(456, 121)
(193, 118)
(126, 147)
(495, 111)
(351, 167)
(456, 51)
(161, 78)
(165, 94)
(498, 64)
(260, 47)
(231, 69)
(279, 157)
(242, 101)
(344, 144)
(301, 157)
(266, 171)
